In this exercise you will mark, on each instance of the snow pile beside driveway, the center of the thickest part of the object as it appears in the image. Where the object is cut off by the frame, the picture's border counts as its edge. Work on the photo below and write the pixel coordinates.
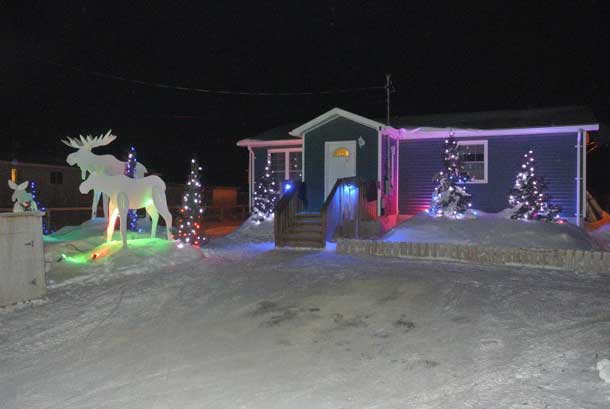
(603, 367)
(602, 237)
(491, 230)
(250, 232)
(80, 254)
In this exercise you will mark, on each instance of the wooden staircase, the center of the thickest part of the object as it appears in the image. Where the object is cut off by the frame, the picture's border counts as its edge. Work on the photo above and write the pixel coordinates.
(305, 231)
(345, 205)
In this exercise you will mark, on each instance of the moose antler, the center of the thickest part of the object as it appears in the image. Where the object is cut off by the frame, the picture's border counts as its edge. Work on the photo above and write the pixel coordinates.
(90, 142)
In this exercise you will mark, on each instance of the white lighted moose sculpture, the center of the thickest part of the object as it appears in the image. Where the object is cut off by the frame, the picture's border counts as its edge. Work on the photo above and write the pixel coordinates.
(126, 193)
(89, 162)
(24, 202)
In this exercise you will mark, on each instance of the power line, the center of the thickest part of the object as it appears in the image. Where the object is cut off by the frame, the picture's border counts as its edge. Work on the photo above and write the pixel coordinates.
(210, 91)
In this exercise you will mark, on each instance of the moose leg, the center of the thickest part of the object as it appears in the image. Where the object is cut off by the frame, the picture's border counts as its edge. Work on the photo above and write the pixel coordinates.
(96, 200)
(154, 217)
(114, 213)
(160, 203)
(105, 200)
(123, 205)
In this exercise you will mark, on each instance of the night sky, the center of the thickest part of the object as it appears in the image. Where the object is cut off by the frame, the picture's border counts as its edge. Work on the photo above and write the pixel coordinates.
(443, 56)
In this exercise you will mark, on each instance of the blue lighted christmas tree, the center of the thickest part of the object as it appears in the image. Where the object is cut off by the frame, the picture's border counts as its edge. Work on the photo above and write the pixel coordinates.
(46, 229)
(130, 171)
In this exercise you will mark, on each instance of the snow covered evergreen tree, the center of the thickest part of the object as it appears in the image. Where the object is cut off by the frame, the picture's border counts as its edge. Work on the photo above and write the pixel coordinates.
(449, 199)
(527, 198)
(190, 220)
(130, 171)
(266, 195)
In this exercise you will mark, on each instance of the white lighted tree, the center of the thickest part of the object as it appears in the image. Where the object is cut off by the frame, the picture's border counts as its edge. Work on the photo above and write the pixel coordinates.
(528, 198)
(266, 194)
(449, 199)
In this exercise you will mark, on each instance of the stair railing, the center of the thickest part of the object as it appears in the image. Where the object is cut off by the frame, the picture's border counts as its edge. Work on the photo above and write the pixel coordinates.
(346, 202)
(286, 209)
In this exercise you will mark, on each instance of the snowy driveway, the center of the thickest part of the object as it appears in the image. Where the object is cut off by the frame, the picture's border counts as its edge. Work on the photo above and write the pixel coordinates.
(305, 329)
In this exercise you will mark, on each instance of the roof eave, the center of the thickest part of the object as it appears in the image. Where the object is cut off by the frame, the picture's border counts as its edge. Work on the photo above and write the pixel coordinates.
(404, 134)
(329, 116)
(257, 143)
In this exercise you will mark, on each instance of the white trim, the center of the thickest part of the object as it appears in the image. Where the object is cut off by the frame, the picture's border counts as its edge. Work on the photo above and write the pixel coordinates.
(578, 212)
(286, 152)
(256, 143)
(397, 176)
(250, 177)
(486, 159)
(379, 147)
(329, 116)
(437, 133)
(584, 176)
(303, 158)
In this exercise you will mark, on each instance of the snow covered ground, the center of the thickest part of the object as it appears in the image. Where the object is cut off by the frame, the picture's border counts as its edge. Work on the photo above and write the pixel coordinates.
(492, 230)
(248, 326)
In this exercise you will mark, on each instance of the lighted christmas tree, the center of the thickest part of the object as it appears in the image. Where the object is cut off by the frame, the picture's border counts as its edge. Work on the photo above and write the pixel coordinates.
(130, 171)
(190, 220)
(45, 223)
(449, 199)
(266, 195)
(527, 198)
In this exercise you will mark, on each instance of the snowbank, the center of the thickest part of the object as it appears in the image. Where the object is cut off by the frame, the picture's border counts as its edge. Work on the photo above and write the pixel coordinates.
(602, 237)
(80, 254)
(603, 367)
(250, 232)
(492, 230)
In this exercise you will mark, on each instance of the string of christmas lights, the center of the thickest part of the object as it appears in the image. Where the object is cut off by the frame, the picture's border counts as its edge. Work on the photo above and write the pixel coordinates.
(266, 195)
(45, 222)
(527, 197)
(190, 220)
(449, 199)
(130, 171)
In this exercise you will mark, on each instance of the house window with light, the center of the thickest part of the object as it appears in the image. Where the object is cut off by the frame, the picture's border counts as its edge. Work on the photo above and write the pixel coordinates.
(474, 160)
(286, 164)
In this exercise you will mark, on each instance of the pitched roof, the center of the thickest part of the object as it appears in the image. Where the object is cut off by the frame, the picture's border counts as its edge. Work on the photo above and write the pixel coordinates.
(333, 114)
(521, 118)
(279, 133)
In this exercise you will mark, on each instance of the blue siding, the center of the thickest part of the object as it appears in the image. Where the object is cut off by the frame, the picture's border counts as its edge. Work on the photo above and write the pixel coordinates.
(339, 129)
(555, 161)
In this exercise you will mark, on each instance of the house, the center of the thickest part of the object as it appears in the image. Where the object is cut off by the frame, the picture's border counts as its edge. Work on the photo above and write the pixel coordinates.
(57, 185)
(403, 158)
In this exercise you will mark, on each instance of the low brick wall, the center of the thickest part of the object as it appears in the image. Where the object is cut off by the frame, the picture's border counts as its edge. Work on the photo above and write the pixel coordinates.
(574, 260)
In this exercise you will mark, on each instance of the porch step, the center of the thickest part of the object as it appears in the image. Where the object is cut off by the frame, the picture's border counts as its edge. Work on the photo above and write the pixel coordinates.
(317, 244)
(309, 216)
(304, 235)
(306, 227)
(306, 231)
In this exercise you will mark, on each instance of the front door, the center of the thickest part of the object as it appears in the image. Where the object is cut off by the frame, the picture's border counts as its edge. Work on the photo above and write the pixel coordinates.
(339, 162)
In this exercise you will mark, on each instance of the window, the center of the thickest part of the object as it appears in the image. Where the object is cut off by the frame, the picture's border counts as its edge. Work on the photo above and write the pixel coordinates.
(474, 159)
(278, 167)
(57, 178)
(14, 174)
(286, 164)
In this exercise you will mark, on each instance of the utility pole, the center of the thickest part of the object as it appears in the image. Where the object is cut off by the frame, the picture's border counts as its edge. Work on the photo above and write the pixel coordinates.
(388, 83)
